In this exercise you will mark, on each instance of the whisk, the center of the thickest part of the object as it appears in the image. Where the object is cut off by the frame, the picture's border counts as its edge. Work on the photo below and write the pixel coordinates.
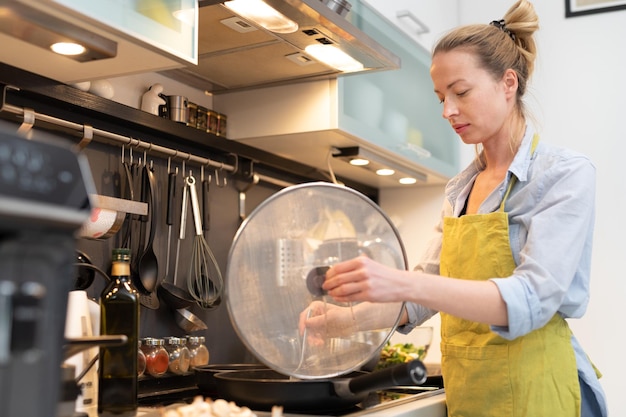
(206, 283)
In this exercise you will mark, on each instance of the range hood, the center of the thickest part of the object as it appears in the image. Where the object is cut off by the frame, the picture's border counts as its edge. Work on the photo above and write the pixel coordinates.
(235, 53)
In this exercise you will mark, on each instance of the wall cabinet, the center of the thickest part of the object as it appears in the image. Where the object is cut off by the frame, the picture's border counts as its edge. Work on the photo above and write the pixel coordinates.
(400, 105)
(411, 16)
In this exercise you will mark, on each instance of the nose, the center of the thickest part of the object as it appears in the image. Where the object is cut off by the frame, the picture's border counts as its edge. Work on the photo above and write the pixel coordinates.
(449, 109)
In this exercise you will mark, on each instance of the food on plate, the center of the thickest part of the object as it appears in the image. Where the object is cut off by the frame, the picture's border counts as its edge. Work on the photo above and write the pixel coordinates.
(400, 353)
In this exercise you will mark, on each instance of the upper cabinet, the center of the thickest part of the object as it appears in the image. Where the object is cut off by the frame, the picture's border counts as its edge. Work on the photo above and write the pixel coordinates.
(393, 116)
(121, 37)
(424, 21)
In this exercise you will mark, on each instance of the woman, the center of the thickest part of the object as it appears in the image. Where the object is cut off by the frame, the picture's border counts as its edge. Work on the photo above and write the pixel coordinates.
(511, 259)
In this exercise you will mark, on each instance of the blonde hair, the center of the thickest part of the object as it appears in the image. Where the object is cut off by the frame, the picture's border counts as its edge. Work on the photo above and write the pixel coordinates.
(501, 45)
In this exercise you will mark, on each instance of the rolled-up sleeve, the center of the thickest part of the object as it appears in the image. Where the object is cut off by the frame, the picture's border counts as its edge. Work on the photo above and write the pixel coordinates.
(551, 219)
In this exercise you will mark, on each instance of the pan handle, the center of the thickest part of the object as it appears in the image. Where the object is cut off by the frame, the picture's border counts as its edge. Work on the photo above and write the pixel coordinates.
(409, 373)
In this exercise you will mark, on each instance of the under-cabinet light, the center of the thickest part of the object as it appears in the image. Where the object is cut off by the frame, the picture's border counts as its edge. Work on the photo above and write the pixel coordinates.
(263, 15)
(379, 164)
(44, 30)
(359, 162)
(334, 57)
(67, 48)
(385, 172)
(407, 180)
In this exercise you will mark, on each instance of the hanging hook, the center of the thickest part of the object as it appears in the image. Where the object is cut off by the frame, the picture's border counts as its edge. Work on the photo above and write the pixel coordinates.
(217, 178)
(242, 196)
(87, 137)
(27, 123)
(236, 167)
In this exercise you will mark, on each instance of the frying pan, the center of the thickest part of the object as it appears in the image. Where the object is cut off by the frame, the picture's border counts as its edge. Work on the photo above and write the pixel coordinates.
(205, 374)
(262, 389)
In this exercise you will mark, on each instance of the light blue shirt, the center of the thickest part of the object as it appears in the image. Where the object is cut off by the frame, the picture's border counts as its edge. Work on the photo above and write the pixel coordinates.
(551, 212)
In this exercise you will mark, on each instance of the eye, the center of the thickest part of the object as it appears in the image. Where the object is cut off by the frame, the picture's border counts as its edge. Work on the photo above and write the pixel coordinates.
(462, 93)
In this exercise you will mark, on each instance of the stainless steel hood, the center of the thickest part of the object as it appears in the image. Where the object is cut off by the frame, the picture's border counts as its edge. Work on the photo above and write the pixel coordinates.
(235, 54)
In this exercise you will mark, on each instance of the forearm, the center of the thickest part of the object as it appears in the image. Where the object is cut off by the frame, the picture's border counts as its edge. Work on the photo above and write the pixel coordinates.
(478, 301)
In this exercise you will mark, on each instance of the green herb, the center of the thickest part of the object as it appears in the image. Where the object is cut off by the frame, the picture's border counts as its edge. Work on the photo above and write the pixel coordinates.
(399, 353)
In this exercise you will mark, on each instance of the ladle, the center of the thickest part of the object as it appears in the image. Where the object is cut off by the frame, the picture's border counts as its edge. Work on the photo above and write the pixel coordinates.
(148, 266)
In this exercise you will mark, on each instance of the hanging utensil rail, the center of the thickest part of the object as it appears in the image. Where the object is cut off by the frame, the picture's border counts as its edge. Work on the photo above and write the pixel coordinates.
(90, 133)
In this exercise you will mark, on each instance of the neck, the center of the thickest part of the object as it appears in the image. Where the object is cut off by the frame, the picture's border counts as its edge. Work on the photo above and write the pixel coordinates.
(498, 154)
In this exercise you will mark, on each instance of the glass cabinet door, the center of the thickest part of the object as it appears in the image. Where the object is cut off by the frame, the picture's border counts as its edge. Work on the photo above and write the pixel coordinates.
(398, 109)
(168, 25)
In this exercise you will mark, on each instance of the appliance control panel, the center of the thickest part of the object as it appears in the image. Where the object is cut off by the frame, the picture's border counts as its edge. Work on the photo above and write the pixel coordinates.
(42, 180)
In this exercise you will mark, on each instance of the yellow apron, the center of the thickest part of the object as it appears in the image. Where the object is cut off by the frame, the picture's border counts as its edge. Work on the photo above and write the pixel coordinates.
(484, 374)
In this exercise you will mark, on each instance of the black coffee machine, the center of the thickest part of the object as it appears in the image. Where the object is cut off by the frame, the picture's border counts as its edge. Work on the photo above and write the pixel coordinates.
(44, 199)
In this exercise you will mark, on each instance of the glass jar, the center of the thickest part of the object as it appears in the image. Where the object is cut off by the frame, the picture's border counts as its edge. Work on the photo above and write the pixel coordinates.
(179, 355)
(157, 358)
(199, 352)
(141, 361)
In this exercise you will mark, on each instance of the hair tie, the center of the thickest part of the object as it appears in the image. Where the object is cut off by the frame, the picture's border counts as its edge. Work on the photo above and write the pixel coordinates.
(502, 26)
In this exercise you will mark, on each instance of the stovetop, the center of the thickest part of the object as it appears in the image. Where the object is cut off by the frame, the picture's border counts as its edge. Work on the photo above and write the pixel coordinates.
(182, 389)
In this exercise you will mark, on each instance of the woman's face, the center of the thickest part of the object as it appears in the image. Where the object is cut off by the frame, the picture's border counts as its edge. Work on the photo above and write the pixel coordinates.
(476, 105)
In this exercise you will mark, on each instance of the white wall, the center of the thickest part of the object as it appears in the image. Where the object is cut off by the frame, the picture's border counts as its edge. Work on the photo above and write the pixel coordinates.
(578, 95)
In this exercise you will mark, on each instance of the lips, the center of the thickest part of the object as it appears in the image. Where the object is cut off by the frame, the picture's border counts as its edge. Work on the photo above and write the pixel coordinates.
(459, 128)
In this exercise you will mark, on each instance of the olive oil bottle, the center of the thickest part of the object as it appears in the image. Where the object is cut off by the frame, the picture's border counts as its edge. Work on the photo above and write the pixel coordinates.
(119, 315)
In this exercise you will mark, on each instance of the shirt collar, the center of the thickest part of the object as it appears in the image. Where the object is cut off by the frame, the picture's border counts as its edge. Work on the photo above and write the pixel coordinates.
(521, 163)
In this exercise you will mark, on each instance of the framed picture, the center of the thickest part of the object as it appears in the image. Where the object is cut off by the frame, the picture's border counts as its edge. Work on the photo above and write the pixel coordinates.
(584, 7)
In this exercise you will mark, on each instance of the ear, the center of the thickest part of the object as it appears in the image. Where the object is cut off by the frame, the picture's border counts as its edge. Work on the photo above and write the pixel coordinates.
(510, 82)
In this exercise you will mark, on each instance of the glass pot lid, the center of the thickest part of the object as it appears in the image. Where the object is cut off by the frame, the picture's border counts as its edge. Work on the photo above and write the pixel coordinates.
(275, 268)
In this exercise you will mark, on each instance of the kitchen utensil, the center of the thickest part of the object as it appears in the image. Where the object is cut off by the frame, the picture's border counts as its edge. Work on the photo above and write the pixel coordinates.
(262, 389)
(145, 269)
(188, 321)
(265, 300)
(206, 283)
(148, 266)
(173, 295)
(84, 276)
(175, 108)
(205, 374)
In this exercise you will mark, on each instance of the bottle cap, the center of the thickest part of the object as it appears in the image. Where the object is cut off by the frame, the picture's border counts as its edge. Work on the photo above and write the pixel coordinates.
(121, 254)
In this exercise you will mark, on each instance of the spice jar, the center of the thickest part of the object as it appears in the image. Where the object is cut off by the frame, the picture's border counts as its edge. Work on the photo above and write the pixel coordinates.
(141, 361)
(157, 358)
(179, 355)
(199, 352)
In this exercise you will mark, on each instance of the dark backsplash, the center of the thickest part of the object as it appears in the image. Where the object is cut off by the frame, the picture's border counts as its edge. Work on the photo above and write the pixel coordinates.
(221, 339)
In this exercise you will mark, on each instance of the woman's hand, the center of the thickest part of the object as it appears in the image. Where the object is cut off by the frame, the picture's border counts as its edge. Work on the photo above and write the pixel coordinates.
(362, 279)
(327, 320)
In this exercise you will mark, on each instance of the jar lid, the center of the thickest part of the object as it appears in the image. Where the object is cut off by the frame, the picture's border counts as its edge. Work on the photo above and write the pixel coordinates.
(193, 339)
(174, 340)
(150, 341)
